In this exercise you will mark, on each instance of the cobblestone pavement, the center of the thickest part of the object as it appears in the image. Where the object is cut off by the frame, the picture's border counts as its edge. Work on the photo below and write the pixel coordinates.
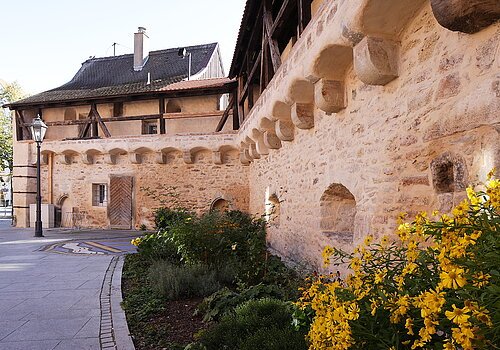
(68, 300)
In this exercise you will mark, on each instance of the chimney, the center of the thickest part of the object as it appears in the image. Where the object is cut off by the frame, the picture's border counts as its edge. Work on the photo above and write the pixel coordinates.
(139, 48)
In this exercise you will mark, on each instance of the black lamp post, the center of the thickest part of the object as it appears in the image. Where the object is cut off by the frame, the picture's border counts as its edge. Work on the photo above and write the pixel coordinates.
(38, 129)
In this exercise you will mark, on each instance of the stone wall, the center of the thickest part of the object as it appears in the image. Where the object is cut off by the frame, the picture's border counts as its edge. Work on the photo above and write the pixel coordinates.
(403, 145)
(190, 171)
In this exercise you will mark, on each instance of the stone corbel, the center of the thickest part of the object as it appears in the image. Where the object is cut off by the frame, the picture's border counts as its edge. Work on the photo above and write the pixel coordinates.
(254, 154)
(87, 158)
(284, 130)
(109, 158)
(188, 157)
(217, 157)
(244, 157)
(303, 115)
(271, 140)
(66, 159)
(330, 95)
(135, 158)
(376, 60)
(466, 16)
(160, 157)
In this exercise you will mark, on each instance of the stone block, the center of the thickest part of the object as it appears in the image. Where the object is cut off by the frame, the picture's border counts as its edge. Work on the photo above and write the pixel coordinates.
(284, 130)
(330, 95)
(303, 115)
(376, 60)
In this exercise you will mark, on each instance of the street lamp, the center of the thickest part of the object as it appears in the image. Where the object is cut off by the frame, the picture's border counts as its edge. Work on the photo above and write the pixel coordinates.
(38, 129)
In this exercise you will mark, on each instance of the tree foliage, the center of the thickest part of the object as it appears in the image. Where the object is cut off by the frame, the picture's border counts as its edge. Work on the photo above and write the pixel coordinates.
(8, 93)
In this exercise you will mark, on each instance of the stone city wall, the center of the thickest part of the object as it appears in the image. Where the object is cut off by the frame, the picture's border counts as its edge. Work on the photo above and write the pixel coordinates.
(364, 128)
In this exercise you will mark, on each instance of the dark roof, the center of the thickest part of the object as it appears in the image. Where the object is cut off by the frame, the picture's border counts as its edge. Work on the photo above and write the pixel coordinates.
(115, 76)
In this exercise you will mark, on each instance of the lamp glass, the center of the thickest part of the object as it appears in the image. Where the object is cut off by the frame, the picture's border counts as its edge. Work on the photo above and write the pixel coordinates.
(38, 129)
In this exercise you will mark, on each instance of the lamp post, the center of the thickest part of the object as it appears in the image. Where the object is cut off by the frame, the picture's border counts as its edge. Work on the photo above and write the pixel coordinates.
(38, 129)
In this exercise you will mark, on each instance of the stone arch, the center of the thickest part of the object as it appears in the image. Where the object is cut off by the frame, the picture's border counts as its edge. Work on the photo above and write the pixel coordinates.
(200, 154)
(70, 114)
(388, 18)
(69, 156)
(173, 106)
(220, 204)
(66, 205)
(332, 63)
(449, 173)
(168, 155)
(228, 154)
(45, 156)
(338, 213)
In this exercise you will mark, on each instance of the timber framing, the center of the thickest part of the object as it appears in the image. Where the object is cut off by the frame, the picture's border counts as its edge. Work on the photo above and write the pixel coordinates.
(277, 24)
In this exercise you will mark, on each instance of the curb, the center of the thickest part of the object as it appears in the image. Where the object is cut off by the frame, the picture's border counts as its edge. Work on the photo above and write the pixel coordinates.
(114, 332)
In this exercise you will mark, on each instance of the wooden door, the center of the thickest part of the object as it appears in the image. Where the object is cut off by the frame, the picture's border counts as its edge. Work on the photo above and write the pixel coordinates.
(120, 202)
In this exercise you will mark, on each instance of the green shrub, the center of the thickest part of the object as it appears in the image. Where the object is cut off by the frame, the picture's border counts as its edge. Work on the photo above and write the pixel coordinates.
(223, 238)
(225, 300)
(175, 282)
(166, 217)
(256, 324)
(158, 246)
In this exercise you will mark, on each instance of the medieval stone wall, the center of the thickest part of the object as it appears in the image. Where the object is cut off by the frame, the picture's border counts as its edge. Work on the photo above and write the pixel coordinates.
(409, 145)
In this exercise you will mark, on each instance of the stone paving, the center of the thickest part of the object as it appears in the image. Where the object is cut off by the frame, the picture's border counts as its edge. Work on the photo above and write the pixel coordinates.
(68, 300)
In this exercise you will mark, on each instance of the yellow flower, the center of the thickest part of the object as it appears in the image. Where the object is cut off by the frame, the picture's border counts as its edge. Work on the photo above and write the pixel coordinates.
(379, 276)
(449, 346)
(409, 326)
(453, 279)
(368, 240)
(458, 316)
(480, 279)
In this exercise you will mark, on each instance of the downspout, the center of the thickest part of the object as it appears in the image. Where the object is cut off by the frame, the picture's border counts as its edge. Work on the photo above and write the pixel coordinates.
(49, 176)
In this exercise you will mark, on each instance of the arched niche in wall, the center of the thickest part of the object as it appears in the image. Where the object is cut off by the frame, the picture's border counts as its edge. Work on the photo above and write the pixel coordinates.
(338, 213)
(70, 114)
(173, 106)
(449, 173)
(219, 204)
(449, 180)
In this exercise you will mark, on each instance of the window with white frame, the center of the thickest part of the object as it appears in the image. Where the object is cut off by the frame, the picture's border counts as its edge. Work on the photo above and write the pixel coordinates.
(99, 195)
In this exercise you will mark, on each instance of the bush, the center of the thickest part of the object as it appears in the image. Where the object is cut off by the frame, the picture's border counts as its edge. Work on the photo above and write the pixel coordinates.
(257, 324)
(166, 217)
(158, 246)
(216, 239)
(225, 301)
(175, 282)
(434, 286)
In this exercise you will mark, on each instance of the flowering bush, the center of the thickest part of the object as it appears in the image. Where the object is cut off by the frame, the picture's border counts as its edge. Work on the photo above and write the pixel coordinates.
(433, 285)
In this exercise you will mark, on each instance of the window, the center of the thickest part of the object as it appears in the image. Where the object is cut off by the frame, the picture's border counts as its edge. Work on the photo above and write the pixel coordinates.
(99, 195)
(220, 205)
(149, 127)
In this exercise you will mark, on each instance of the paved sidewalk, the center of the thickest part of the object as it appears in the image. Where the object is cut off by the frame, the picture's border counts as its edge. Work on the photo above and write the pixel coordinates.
(56, 301)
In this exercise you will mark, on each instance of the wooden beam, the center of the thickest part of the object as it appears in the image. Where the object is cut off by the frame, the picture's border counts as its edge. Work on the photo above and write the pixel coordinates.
(161, 110)
(85, 129)
(279, 16)
(24, 127)
(236, 117)
(138, 117)
(274, 51)
(100, 121)
(224, 117)
(304, 14)
(250, 77)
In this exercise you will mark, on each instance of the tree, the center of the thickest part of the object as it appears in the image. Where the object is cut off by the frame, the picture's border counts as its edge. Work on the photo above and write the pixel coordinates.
(8, 93)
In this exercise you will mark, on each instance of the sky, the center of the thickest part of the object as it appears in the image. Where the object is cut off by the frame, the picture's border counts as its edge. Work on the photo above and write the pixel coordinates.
(44, 43)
